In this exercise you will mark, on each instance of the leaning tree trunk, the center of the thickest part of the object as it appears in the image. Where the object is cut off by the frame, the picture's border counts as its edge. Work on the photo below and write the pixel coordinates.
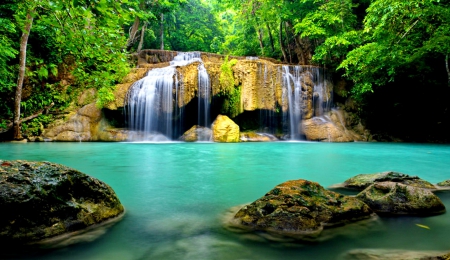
(141, 42)
(260, 38)
(283, 51)
(133, 31)
(22, 62)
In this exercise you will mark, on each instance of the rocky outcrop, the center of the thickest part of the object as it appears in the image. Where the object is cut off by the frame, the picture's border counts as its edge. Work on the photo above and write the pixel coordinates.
(197, 133)
(86, 124)
(331, 128)
(393, 198)
(224, 130)
(362, 181)
(42, 200)
(78, 127)
(299, 209)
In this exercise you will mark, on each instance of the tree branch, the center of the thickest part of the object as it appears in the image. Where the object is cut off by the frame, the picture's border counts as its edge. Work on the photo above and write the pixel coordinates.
(33, 116)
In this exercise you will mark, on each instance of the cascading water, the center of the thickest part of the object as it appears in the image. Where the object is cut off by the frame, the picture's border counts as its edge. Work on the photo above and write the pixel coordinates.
(151, 101)
(204, 97)
(292, 93)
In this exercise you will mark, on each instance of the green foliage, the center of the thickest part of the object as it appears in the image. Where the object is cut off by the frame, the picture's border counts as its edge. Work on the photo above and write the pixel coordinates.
(232, 103)
(396, 35)
(35, 126)
(230, 93)
(226, 77)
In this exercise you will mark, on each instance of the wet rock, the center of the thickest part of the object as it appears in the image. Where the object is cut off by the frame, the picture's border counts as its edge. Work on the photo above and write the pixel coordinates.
(80, 126)
(43, 200)
(444, 183)
(392, 254)
(320, 129)
(197, 133)
(331, 127)
(392, 198)
(257, 137)
(362, 181)
(224, 130)
(299, 209)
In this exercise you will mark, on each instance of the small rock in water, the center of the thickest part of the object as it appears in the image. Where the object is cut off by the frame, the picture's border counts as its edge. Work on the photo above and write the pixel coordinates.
(362, 181)
(394, 198)
(299, 209)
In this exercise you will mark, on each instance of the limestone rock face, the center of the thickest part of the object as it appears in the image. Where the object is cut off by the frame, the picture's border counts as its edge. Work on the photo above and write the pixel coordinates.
(398, 199)
(224, 130)
(331, 127)
(299, 209)
(319, 129)
(79, 127)
(197, 133)
(41, 200)
(362, 181)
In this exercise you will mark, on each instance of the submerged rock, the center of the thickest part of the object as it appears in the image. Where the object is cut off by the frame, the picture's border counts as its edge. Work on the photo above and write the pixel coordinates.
(224, 130)
(362, 181)
(42, 200)
(299, 209)
(197, 133)
(399, 199)
(393, 254)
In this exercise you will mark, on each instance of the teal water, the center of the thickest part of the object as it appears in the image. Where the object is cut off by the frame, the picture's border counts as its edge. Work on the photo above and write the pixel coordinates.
(176, 193)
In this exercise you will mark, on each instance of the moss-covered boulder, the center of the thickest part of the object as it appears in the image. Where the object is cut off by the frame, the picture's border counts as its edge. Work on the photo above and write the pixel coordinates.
(362, 181)
(42, 200)
(299, 209)
(224, 130)
(393, 198)
(197, 133)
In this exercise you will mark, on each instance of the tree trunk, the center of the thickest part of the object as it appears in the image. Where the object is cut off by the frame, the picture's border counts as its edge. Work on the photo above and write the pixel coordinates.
(270, 37)
(162, 32)
(283, 51)
(133, 31)
(287, 39)
(141, 42)
(260, 38)
(22, 63)
(298, 47)
(448, 70)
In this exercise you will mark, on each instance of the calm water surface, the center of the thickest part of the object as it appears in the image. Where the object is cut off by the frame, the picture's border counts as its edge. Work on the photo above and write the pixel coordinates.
(176, 193)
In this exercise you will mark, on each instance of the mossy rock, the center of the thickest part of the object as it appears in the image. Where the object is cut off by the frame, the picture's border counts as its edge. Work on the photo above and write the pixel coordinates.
(393, 198)
(299, 209)
(444, 183)
(43, 200)
(362, 181)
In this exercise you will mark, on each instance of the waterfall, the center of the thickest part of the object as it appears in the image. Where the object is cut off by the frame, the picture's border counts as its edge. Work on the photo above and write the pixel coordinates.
(295, 82)
(152, 100)
(292, 93)
(204, 96)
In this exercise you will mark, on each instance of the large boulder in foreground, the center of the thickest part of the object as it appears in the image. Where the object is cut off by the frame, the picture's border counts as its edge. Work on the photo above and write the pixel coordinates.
(362, 181)
(224, 130)
(42, 200)
(299, 209)
(392, 198)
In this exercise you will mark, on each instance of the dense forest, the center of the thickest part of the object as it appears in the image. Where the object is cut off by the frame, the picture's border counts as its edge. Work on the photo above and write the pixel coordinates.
(389, 58)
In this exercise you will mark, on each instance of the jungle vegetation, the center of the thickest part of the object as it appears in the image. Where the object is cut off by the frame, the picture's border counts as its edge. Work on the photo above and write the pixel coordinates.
(390, 56)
